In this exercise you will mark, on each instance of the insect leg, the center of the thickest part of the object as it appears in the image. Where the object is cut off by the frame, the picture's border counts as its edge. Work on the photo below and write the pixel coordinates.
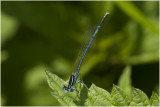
(81, 81)
(76, 92)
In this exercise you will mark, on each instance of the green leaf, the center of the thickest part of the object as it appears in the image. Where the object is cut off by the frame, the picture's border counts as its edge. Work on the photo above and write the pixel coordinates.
(119, 97)
(125, 80)
(98, 97)
(137, 15)
(139, 98)
(154, 100)
(55, 84)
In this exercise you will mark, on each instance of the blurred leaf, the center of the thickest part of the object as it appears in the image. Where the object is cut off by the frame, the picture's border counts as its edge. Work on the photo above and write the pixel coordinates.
(4, 56)
(46, 19)
(144, 43)
(156, 88)
(139, 98)
(98, 97)
(142, 58)
(51, 32)
(132, 11)
(3, 100)
(9, 27)
(61, 66)
(154, 100)
(91, 61)
(147, 50)
(34, 77)
(34, 83)
(119, 97)
(125, 80)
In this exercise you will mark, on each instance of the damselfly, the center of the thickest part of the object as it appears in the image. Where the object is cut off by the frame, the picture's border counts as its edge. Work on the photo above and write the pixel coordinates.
(74, 77)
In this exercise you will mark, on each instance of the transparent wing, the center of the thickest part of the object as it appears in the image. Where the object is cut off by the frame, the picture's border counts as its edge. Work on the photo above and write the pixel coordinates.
(86, 40)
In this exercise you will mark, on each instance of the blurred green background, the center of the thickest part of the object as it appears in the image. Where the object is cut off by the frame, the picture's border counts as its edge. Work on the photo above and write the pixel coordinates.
(36, 36)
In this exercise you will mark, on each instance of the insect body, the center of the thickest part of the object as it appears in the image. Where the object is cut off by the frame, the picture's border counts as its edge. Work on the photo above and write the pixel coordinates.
(74, 77)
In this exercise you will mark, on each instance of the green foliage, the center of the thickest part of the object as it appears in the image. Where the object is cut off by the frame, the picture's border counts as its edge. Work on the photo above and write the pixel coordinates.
(119, 97)
(154, 100)
(139, 98)
(56, 85)
(137, 15)
(96, 96)
(125, 80)
(34, 34)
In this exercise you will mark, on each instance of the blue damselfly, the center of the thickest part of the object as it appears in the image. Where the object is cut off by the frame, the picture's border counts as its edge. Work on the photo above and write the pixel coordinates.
(74, 77)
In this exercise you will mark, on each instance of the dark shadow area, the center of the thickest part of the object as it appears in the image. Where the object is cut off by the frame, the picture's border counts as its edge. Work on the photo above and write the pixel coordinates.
(146, 77)
(83, 97)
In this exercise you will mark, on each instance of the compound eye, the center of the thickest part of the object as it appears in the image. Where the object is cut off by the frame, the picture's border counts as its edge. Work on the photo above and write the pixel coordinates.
(71, 90)
(63, 87)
